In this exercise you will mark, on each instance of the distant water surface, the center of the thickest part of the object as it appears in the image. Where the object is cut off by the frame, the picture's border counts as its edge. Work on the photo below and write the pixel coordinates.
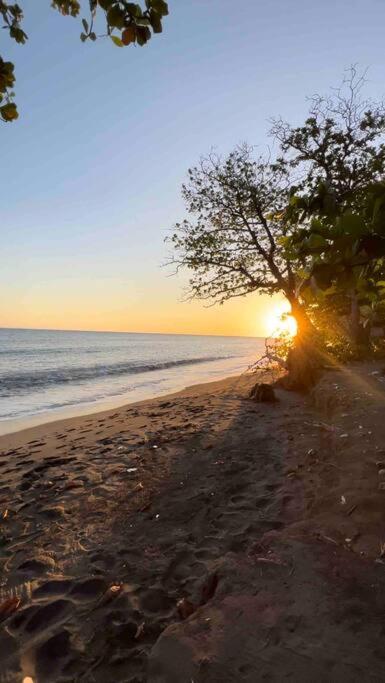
(43, 372)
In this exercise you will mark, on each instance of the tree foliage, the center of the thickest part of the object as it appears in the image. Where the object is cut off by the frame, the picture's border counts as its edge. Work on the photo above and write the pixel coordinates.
(338, 206)
(338, 151)
(309, 224)
(342, 256)
(231, 243)
(126, 23)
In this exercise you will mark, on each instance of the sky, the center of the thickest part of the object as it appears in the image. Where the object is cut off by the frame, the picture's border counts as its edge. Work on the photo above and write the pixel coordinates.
(92, 170)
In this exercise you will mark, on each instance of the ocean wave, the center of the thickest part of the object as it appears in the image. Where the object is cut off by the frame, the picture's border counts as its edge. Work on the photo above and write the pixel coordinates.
(11, 383)
(34, 352)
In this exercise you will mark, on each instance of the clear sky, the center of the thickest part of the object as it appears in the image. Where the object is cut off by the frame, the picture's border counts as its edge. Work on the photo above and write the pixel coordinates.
(91, 172)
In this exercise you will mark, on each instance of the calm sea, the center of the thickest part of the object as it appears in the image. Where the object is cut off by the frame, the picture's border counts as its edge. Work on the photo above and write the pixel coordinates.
(43, 372)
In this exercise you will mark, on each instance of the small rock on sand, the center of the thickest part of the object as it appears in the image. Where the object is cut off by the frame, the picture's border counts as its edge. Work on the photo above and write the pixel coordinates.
(263, 393)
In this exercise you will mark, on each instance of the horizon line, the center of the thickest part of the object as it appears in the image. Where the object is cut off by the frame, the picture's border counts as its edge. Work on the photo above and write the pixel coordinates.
(175, 334)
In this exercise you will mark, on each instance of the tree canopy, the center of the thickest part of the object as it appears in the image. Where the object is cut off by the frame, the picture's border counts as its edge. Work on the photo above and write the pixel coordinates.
(338, 204)
(234, 243)
(309, 223)
(126, 23)
(338, 150)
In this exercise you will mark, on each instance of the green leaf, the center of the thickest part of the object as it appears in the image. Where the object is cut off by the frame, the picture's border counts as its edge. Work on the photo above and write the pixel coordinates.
(366, 311)
(83, 37)
(160, 6)
(346, 243)
(7, 77)
(134, 9)
(105, 4)
(156, 22)
(18, 34)
(116, 17)
(142, 21)
(143, 35)
(8, 112)
(117, 41)
(67, 7)
(306, 294)
(323, 274)
(352, 224)
(85, 25)
(316, 241)
(284, 240)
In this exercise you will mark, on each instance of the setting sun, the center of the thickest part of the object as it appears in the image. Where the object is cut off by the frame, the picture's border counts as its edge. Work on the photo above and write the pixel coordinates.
(280, 322)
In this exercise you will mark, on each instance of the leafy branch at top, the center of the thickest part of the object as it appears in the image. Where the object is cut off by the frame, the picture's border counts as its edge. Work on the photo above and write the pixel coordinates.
(126, 23)
(12, 16)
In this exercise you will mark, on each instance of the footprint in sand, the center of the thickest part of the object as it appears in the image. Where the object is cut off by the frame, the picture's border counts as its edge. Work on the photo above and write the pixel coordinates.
(37, 619)
(42, 564)
(53, 588)
(51, 656)
(88, 590)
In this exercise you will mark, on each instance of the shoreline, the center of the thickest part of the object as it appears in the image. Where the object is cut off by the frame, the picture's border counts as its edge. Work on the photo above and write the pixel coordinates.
(22, 424)
(103, 411)
(63, 379)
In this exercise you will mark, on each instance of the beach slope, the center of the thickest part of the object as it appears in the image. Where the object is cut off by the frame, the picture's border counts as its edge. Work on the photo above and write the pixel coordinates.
(199, 536)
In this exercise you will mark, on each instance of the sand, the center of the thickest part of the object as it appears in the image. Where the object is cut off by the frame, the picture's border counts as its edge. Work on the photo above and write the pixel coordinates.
(199, 537)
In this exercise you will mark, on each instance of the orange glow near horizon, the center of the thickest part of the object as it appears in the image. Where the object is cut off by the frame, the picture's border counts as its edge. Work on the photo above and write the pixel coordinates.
(105, 306)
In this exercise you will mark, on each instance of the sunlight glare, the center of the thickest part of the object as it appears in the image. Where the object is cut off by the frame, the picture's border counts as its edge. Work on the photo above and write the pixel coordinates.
(279, 322)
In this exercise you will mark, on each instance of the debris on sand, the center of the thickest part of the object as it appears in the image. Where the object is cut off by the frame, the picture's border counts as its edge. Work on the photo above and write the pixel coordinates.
(263, 393)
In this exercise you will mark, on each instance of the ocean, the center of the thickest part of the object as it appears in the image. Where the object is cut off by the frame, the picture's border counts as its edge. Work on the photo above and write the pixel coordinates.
(47, 374)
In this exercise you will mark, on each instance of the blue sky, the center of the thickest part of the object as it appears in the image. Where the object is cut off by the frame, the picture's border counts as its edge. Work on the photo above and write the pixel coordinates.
(91, 172)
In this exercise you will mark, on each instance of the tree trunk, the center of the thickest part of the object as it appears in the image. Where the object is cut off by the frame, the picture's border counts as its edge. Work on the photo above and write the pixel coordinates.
(359, 333)
(304, 361)
(305, 327)
(354, 318)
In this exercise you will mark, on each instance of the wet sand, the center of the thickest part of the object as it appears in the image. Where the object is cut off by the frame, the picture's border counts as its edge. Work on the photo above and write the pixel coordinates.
(199, 536)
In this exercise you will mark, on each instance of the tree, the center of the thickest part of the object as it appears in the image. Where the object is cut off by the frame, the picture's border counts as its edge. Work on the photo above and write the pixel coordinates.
(235, 244)
(126, 23)
(289, 225)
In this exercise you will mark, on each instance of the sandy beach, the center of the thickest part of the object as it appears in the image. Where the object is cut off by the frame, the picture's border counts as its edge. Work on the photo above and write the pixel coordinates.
(199, 537)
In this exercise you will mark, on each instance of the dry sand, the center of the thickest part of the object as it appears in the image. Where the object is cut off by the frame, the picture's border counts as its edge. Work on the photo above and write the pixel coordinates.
(199, 537)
